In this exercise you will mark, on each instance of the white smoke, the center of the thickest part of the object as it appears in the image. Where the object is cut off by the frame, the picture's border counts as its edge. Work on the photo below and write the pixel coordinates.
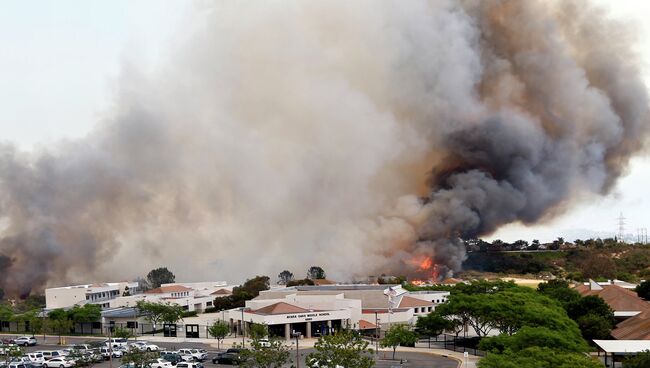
(287, 134)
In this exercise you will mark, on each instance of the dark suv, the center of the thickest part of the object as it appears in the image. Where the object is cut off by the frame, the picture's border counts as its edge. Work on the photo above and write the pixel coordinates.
(173, 358)
(231, 356)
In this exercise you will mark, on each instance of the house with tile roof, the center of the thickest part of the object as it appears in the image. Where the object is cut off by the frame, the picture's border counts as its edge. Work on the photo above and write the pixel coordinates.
(625, 302)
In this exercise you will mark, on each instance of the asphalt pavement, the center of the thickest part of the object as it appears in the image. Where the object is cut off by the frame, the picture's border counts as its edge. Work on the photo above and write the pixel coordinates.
(403, 359)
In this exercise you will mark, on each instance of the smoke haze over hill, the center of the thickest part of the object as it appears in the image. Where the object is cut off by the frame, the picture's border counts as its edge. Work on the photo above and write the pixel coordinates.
(354, 135)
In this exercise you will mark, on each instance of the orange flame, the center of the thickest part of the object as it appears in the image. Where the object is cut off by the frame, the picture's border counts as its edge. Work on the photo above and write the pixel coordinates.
(425, 265)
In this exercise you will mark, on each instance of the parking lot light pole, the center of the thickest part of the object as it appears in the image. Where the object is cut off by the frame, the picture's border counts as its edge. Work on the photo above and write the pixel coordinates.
(243, 329)
(377, 334)
(297, 336)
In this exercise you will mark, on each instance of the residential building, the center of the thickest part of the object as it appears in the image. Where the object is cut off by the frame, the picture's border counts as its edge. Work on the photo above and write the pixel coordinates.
(624, 301)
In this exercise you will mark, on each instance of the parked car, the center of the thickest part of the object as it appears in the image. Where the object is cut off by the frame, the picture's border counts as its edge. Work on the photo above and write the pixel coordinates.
(189, 365)
(265, 343)
(228, 358)
(19, 364)
(231, 350)
(198, 355)
(35, 358)
(160, 363)
(25, 341)
(50, 354)
(107, 353)
(184, 357)
(25, 360)
(316, 364)
(145, 346)
(58, 363)
(116, 342)
(171, 357)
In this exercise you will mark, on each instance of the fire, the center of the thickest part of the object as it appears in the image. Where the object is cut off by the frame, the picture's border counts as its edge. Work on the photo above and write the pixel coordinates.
(426, 267)
(425, 264)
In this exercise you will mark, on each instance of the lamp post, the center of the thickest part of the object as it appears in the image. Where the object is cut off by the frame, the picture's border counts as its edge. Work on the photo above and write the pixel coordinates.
(297, 336)
(243, 330)
(377, 334)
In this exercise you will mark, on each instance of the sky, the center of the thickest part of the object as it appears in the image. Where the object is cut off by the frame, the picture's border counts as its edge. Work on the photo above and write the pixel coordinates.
(61, 61)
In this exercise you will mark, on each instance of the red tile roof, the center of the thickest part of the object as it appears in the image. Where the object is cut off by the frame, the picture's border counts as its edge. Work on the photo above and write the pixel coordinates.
(365, 325)
(168, 289)
(280, 308)
(635, 328)
(409, 302)
(618, 298)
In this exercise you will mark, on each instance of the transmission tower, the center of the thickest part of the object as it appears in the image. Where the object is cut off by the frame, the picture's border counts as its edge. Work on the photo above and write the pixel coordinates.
(621, 227)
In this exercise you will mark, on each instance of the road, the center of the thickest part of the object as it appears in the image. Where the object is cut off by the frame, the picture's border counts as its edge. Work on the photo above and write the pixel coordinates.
(409, 360)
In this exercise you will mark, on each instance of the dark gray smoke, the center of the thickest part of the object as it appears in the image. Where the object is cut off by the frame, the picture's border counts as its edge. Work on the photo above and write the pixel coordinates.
(287, 134)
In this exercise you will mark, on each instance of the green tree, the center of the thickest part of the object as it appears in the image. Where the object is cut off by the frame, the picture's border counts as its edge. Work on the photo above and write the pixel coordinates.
(159, 276)
(159, 312)
(300, 282)
(316, 272)
(259, 356)
(641, 360)
(433, 324)
(398, 334)
(139, 359)
(643, 290)
(284, 277)
(219, 330)
(593, 315)
(87, 313)
(124, 333)
(559, 290)
(240, 294)
(9, 353)
(534, 336)
(258, 331)
(536, 357)
(345, 349)
(6, 313)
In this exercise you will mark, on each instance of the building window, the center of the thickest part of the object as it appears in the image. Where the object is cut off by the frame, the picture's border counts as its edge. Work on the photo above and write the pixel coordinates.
(208, 304)
(132, 324)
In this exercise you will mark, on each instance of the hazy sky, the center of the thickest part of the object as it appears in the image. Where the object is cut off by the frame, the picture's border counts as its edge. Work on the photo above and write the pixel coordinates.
(60, 61)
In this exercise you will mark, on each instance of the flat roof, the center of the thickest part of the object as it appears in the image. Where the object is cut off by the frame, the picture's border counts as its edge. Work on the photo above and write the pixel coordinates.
(623, 346)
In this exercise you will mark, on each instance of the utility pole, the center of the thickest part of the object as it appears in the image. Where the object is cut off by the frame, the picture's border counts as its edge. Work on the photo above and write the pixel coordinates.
(621, 228)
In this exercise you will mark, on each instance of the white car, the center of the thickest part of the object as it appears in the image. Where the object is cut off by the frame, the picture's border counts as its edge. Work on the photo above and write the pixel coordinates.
(265, 343)
(49, 354)
(161, 363)
(189, 365)
(116, 342)
(35, 358)
(58, 363)
(19, 365)
(197, 354)
(25, 341)
(145, 346)
(107, 353)
(316, 364)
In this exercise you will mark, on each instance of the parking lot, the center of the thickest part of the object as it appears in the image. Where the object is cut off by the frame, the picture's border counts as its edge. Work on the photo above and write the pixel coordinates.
(409, 360)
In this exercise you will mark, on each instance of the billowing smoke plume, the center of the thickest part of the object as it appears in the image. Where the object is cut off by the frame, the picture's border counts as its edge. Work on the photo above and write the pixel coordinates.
(359, 136)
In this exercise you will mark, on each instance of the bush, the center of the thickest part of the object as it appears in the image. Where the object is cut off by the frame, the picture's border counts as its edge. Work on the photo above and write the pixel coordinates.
(189, 314)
